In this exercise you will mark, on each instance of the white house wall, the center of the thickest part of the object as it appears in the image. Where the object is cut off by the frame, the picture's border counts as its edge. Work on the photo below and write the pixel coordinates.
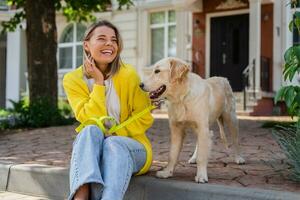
(15, 65)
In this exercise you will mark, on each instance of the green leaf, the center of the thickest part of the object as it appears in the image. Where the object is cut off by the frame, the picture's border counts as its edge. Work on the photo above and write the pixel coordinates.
(297, 14)
(11, 25)
(291, 25)
(290, 96)
(297, 23)
(296, 49)
(280, 94)
(288, 54)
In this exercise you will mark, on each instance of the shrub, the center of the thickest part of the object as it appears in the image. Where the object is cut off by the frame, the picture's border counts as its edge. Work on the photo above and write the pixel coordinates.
(41, 113)
(289, 136)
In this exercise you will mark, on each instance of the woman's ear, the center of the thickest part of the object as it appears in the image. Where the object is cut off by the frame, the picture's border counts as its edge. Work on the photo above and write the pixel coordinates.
(86, 46)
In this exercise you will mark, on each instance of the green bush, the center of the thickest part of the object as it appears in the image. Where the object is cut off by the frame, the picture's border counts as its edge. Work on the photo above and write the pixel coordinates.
(288, 137)
(41, 113)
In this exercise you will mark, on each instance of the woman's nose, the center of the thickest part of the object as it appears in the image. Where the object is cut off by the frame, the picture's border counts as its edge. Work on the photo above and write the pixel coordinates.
(108, 42)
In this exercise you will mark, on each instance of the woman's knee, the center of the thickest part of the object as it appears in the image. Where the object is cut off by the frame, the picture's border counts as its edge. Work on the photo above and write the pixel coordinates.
(92, 132)
(113, 142)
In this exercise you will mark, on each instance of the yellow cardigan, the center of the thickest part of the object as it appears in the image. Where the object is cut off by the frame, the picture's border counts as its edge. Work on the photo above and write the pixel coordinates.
(86, 104)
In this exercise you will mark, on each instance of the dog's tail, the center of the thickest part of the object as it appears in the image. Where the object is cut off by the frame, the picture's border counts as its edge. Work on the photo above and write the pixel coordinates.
(229, 95)
(231, 106)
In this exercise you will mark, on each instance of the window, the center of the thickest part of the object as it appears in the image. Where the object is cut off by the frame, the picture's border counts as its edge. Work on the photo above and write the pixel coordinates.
(163, 34)
(3, 5)
(70, 52)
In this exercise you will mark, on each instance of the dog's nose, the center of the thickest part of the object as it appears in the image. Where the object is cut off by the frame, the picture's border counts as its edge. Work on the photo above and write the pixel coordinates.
(142, 85)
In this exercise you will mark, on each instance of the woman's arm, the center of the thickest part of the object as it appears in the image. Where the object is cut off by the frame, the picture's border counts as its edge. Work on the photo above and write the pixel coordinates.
(140, 101)
(83, 103)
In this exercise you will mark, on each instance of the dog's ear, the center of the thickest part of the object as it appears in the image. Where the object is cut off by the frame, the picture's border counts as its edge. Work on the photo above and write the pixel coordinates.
(178, 70)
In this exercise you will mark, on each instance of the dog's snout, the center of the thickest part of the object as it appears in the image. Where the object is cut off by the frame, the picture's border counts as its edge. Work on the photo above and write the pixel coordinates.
(142, 85)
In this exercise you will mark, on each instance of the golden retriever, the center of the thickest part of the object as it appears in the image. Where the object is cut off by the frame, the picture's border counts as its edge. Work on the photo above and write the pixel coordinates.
(196, 103)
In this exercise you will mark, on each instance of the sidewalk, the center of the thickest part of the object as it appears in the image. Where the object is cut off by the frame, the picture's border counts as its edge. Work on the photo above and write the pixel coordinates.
(265, 168)
(14, 196)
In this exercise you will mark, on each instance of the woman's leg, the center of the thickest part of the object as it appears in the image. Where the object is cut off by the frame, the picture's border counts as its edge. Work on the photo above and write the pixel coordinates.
(122, 156)
(84, 167)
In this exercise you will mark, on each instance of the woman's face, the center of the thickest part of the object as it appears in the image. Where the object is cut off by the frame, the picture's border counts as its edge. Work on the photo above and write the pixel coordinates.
(102, 45)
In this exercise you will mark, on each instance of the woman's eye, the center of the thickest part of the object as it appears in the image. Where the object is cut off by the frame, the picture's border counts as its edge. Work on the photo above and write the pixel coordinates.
(101, 39)
(156, 71)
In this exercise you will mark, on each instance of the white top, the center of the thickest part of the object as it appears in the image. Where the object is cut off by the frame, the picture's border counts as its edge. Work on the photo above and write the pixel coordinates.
(112, 99)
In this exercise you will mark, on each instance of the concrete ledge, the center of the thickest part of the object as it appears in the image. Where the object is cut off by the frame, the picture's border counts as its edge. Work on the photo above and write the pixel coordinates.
(53, 182)
(40, 180)
(172, 190)
(4, 173)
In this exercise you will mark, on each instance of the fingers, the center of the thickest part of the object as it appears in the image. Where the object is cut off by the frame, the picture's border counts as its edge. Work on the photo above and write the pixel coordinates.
(157, 103)
(87, 68)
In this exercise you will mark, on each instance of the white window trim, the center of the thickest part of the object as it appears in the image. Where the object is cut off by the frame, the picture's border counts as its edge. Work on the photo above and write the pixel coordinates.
(164, 25)
(74, 44)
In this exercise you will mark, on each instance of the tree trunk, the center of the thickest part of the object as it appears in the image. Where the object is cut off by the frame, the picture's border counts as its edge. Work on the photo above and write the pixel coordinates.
(41, 47)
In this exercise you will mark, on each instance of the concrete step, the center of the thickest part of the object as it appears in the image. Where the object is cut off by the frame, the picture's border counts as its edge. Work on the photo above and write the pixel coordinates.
(50, 182)
(16, 196)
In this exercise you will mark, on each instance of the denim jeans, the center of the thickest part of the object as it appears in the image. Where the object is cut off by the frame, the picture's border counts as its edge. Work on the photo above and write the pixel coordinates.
(107, 164)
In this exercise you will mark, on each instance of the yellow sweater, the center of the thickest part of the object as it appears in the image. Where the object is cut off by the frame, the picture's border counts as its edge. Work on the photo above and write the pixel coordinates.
(86, 104)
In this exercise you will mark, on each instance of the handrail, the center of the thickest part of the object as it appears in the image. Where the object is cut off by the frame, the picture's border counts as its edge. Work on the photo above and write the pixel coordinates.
(246, 73)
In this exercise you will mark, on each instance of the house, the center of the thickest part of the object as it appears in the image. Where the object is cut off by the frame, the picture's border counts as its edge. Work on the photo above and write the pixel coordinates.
(237, 39)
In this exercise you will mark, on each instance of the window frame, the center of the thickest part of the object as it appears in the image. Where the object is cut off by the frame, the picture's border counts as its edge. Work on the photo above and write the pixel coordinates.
(164, 25)
(74, 44)
(3, 7)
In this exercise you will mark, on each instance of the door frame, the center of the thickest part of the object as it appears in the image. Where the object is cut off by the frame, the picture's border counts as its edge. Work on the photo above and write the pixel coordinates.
(208, 33)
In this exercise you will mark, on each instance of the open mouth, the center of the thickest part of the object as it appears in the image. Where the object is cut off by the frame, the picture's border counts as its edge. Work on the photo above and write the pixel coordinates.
(107, 52)
(157, 93)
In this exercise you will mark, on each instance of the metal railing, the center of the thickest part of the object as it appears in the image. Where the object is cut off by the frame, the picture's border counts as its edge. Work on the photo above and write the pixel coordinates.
(246, 78)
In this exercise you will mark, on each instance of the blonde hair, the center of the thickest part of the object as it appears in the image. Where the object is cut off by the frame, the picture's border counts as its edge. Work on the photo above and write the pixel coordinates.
(115, 65)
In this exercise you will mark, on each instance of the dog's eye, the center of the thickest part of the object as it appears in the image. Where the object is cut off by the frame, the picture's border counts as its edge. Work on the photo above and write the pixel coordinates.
(156, 71)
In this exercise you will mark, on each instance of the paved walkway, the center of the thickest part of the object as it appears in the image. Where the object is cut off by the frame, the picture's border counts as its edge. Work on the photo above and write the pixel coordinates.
(265, 167)
(15, 196)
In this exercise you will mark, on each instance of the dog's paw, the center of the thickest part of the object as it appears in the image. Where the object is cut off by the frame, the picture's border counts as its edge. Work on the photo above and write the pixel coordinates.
(164, 174)
(192, 160)
(201, 179)
(239, 160)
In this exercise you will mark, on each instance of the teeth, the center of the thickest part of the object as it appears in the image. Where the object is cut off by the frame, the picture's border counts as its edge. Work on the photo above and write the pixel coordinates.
(107, 51)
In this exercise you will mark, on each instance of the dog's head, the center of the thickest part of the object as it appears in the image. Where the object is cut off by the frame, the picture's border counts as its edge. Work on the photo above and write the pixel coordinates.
(166, 74)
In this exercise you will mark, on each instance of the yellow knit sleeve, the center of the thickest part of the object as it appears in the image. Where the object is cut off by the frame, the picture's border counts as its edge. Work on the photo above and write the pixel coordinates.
(84, 104)
(139, 100)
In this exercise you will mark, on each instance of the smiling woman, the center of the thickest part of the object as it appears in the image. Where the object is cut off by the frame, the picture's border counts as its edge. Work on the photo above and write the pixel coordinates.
(104, 87)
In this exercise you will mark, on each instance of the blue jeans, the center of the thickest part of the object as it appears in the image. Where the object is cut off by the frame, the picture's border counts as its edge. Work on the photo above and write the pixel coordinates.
(107, 164)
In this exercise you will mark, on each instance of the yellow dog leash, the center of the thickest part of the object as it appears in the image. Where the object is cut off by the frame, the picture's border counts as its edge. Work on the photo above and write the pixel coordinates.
(115, 127)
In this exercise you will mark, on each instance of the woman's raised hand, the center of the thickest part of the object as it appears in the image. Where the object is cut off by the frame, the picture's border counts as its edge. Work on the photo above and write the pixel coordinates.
(92, 71)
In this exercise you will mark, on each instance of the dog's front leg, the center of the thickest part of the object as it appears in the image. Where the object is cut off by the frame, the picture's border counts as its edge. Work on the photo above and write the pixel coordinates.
(203, 151)
(175, 147)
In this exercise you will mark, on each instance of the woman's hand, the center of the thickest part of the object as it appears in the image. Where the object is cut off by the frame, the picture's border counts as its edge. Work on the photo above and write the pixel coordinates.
(93, 72)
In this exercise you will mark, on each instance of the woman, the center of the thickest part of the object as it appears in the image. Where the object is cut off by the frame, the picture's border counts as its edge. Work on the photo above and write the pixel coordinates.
(101, 166)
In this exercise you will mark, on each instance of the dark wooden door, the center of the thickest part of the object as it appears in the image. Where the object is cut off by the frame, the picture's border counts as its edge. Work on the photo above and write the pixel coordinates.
(2, 70)
(229, 47)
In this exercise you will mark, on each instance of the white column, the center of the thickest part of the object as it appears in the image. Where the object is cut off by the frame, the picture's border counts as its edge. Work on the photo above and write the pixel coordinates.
(287, 41)
(255, 38)
(183, 35)
(14, 65)
(278, 28)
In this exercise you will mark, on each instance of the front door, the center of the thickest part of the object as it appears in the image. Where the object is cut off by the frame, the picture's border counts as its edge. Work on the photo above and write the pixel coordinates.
(2, 70)
(229, 46)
